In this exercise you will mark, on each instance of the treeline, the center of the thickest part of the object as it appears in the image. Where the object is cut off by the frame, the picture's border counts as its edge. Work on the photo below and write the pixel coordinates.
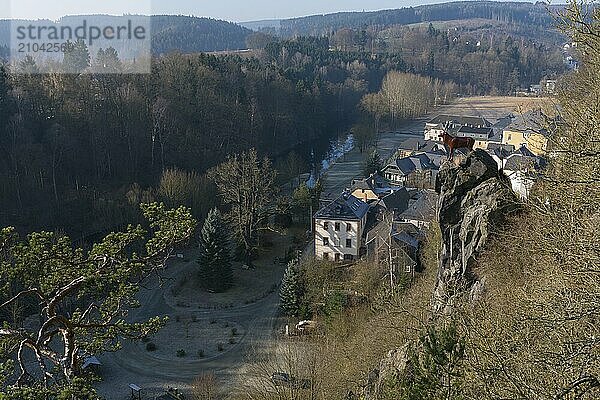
(406, 96)
(512, 12)
(480, 61)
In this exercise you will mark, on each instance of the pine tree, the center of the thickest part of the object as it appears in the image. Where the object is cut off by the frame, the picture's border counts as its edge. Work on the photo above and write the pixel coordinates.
(372, 163)
(215, 261)
(289, 292)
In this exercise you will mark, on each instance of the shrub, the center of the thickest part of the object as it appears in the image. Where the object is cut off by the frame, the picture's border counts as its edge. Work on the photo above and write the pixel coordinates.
(220, 347)
(231, 341)
(234, 332)
(201, 353)
(150, 346)
(180, 353)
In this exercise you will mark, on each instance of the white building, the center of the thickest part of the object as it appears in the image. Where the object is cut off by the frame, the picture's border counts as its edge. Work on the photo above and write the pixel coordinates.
(435, 127)
(338, 229)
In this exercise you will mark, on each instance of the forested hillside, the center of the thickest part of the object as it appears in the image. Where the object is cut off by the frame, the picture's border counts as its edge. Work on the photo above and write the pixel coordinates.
(72, 145)
(193, 35)
(170, 33)
(533, 15)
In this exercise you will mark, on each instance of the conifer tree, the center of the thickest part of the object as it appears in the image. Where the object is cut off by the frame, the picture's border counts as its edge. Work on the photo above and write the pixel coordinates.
(372, 163)
(289, 292)
(215, 261)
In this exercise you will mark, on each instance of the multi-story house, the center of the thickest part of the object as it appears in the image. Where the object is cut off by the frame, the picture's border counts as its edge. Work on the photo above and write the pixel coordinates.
(531, 130)
(338, 229)
(416, 171)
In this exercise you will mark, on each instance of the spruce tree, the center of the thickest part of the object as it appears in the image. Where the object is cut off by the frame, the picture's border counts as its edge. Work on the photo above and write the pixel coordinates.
(215, 261)
(289, 292)
(372, 163)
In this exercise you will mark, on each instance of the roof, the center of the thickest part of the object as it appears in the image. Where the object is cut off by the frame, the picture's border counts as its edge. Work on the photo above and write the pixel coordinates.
(531, 122)
(407, 165)
(397, 200)
(500, 150)
(386, 229)
(460, 120)
(424, 209)
(476, 130)
(375, 181)
(521, 162)
(345, 207)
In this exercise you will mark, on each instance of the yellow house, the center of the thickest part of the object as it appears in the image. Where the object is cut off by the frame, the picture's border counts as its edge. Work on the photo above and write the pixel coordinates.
(529, 130)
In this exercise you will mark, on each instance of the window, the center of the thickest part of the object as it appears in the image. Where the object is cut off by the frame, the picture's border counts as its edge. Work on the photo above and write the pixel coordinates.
(349, 243)
(337, 257)
(337, 226)
(325, 241)
(348, 227)
(326, 225)
(348, 257)
(325, 256)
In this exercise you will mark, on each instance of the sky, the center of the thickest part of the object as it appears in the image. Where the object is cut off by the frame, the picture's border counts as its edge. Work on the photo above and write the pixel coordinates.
(230, 10)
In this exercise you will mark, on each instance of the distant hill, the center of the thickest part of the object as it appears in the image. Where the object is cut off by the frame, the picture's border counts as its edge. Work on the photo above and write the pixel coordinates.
(192, 34)
(172, 32)
(529, 14)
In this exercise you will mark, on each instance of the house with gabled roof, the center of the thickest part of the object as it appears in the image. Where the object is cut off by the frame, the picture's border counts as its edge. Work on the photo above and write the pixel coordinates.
(416, 171)
(339, 229)
(370, 189)
(436, 126)
(531, 129)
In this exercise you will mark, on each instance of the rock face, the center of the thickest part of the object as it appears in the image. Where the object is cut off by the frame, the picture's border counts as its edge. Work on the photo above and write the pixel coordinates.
(474, 197)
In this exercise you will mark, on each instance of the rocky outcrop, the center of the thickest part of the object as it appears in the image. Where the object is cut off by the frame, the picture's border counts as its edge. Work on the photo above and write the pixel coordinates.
(474, 198)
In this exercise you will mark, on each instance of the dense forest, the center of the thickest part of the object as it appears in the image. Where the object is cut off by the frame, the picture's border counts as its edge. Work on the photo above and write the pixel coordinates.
(535, 15)
(72, 145)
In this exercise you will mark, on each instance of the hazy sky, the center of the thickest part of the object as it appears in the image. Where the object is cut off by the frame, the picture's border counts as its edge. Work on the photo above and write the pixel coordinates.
(231, 10)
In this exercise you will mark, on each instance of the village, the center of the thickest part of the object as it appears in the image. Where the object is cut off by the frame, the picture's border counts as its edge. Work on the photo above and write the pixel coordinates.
(384, 217)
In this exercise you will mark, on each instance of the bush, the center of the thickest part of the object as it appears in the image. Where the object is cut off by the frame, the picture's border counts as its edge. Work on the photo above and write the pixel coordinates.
(231, 340)
(180, 353)
(150, 346)
(234, 332)
(201, 353)
(220, 347)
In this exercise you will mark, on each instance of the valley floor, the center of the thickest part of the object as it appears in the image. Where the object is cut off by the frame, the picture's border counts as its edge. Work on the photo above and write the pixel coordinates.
(254, 315)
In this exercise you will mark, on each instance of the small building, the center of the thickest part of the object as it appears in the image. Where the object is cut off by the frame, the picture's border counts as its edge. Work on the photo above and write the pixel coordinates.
(522, 169)
(423, 210)
(416, 171)
(530, 130)
(394, 203)
(393, 247)
(370, 189)
(435, 127)
(481, 135)
(338, 229)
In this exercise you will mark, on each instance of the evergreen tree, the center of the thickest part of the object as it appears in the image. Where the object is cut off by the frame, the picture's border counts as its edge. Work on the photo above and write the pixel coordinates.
(215, 261)
(372, 163)
(76, 57)
(289, 292)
